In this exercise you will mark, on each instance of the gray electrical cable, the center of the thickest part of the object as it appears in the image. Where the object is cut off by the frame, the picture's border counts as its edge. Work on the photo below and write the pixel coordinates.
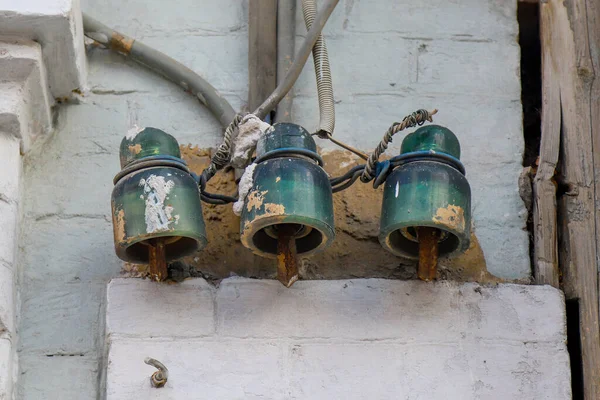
(286, 40)
(323, 74)
(296, 68)
(163, 65)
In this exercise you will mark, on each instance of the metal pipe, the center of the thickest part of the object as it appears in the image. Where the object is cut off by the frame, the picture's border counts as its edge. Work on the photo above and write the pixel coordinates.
(286, 40)
(163, 65)
(296, 68)
(323, 74)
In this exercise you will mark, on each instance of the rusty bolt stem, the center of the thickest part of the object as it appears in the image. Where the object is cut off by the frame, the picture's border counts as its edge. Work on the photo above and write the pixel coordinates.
(429, 239)
(160, 377)
(158, 261)
(287, 260)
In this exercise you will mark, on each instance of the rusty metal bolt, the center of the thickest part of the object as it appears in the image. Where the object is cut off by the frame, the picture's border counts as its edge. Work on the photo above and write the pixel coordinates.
(160, 377)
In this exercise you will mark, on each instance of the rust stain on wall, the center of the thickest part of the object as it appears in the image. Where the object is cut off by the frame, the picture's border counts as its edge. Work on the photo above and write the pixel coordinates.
(355, 252)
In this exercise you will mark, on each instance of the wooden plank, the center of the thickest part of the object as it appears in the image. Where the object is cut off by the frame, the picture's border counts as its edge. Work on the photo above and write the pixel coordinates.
(545, 254)
(593, 10)
(262, 50)
(567, 30)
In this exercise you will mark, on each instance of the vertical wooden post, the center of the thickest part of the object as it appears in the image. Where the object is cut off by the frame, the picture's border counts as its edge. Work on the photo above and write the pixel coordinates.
(545, 255)
(262, 50)
(570, 44)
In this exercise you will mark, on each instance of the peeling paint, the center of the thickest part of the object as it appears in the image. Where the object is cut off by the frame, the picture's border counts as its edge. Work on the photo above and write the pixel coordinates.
(255, 199)
(135, 149)
(133, 132)
(158, 216)
(119, 226)
(121, 43)
(452, 217)
(274, 209)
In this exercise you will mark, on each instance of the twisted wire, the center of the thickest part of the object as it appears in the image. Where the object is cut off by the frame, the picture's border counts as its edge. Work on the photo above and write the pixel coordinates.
(223, 154)
(419, 117)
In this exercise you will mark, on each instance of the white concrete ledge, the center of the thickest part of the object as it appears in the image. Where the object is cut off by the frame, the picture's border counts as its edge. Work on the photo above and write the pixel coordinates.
(352, 339)
(57, 26)
(24, 97)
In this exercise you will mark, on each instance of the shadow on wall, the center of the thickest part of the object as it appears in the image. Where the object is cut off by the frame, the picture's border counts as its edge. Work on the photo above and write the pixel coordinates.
(355, 252)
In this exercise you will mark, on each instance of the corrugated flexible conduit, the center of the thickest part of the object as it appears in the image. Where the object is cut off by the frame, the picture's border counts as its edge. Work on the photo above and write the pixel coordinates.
(323, 74)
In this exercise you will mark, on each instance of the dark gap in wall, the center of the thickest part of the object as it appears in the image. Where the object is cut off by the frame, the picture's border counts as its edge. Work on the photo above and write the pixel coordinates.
(531, 79)
(531, 93)
(574, 348)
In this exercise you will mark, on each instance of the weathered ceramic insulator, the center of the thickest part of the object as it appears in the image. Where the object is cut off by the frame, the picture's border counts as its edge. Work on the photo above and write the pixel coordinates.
(289, 187)
(427, 189)
(155, 197)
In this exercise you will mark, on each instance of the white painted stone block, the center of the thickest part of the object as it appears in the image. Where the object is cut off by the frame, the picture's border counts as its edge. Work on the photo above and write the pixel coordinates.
(7, 301)
(468, 20)
(429, 370)
(353, 339)
(8, 235)
(10, 164)
(24, 97)
(6, 369)
(70, 249)
(69, 377)
(67, 317)
(57, 26)
(374, 309)
(212, 369)
(147, 309)
(189, 18)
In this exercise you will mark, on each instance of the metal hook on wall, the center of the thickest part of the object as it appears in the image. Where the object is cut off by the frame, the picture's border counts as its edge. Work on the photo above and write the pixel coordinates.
(160, 377)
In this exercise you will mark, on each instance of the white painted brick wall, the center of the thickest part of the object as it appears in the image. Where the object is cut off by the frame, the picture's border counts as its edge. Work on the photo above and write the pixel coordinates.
(388, 59)
(355, 339)
(10, 173)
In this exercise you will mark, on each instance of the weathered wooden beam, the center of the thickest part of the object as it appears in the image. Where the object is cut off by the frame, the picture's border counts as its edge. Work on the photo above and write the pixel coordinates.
(262, 50)
(571, 37)
(545, 233)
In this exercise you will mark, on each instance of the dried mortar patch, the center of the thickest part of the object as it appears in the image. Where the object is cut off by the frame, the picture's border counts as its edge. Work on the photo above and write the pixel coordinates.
(355, 252)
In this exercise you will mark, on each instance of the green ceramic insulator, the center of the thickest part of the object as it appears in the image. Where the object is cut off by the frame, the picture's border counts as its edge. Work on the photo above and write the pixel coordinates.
(155, 197)
(427, 192)
(289, 187)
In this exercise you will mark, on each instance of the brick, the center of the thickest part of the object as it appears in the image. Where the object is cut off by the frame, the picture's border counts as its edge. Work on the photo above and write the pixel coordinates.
(352, 65)
(60, 318)
(65, 377)
(189, 18)
(469, 20)
(215, 369)
(8, 235)
(147, 309)
(374, 309)
(69, 249)
(221, 60)
(429, 370)
(7, 301)
(6, 369)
